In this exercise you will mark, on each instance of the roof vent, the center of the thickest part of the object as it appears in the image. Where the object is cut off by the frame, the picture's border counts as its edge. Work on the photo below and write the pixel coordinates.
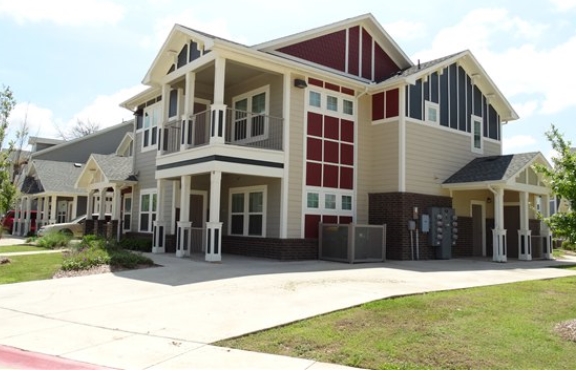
(77, 164)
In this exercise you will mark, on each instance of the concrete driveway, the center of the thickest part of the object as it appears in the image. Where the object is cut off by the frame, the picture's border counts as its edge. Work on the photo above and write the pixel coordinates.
(165, 317)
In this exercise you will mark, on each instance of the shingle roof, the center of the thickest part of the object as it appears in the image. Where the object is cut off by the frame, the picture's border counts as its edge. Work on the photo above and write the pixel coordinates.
(30, 186)
(56, 176)
(115, 167)
(492, 168)
(417, 68)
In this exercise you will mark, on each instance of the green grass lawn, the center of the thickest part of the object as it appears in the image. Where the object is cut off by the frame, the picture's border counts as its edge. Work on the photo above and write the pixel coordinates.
(30, 267)
(497, 327)
(20, 248)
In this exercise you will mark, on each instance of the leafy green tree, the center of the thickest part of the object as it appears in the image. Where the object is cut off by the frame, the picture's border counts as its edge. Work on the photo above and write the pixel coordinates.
(7, 188)
(562, 180)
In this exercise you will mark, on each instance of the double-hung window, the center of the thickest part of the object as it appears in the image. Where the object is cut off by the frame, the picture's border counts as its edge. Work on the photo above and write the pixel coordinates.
(151, 121)
(250, 116)
(127, 212)
(248, 211)
(148, 207)
(477, 134)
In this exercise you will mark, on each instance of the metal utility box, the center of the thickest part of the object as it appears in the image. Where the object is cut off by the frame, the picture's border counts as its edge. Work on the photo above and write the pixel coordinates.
(443, 231)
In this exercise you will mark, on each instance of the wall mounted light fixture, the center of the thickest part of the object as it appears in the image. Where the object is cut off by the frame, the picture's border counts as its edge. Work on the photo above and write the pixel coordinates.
(300, 84)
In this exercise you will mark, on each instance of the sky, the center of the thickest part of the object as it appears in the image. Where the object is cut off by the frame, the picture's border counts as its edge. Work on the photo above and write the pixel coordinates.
(69, 60)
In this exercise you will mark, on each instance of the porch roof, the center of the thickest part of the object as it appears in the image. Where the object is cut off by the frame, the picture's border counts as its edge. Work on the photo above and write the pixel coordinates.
(52, 176)
(501, 170)
(110, 169)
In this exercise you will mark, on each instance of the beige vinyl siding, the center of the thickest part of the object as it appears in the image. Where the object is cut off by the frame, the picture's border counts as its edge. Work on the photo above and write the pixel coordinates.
(296, 163)
(433, 154)
(275, 83)
(145, 167)
(462, 201)
(377, 162)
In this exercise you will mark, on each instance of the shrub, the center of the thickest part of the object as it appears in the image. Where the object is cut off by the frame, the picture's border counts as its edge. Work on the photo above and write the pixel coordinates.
(85, 259)
(136, 244)
(567, 245)
(53, 240)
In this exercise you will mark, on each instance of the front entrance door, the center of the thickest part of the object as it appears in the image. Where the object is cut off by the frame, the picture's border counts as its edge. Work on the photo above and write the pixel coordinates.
(197, 217)
(478, 230)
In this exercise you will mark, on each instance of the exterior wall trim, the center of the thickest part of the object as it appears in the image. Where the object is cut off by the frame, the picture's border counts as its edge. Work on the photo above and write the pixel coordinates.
(234, 160)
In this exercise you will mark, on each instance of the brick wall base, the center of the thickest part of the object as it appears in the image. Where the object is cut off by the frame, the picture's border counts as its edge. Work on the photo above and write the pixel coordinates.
(170, 243)
(271, 248)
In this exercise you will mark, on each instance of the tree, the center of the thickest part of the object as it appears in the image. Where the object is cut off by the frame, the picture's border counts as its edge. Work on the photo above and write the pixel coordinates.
(7, 188)
(562, 180)
(81, 129)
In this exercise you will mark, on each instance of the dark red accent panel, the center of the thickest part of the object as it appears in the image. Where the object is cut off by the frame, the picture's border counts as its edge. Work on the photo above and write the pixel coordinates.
(331, 127)
(392, 103)
(384, 67)
(346, 219)
(332, 87)
(366, 55)
(311, 224)
(314, 124)
(331, 152)
(377, 106)
(353, 50)
(330, 176)
(315, 82)
(328, 50)
(330, 219)
(313, 174)
(314, 149)
(347, 131)
(347, 91)
(346, 154)
(346, 178)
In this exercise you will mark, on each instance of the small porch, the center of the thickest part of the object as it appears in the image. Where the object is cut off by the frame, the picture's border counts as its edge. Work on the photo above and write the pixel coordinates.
(497, 200)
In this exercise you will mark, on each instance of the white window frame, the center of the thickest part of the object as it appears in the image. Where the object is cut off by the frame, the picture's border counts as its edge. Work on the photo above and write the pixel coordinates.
(127, 213)
(340, 98)
(152, 193)
(434, 106)
(250, 115)
(474, 120)
(155, 112)
(322, 194)
(246, 211)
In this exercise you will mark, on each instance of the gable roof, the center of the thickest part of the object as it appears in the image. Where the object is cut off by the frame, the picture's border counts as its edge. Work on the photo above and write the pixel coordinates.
(471, 65)
(366, 20)
(115, 168)
(52, 176)
(493, 168)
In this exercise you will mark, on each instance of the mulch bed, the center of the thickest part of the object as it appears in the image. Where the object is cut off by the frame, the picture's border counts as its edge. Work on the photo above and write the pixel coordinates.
(96, 270)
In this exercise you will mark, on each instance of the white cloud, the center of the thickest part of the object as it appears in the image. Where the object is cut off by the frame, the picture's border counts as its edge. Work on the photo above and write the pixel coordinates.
(405, 30)
(63, 12)
(510, 145)
(563, 5)
(163, 26)
(526, 109)
(40, 121)
(523, 69)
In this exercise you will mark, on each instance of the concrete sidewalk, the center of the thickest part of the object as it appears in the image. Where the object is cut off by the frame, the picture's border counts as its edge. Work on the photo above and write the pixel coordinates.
(166, 317)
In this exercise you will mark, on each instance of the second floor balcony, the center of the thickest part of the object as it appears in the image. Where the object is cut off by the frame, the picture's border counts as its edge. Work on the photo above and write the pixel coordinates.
(241, 128)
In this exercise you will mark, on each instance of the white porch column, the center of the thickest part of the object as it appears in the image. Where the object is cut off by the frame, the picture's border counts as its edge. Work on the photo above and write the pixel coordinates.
(28, 216)
(187, 121)
(162, 132)
(74, 208)
(545, 232)
(102, 211)
(214, 226)
(524, 233)
(46, 210)
(90, 204)
(53, 208)
(218, 109)
(499, 233)
(17, 222)
(116, 212)
(183, 237)
(159, 235)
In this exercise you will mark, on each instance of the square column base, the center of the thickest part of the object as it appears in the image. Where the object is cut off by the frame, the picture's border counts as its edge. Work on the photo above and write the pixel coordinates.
(499, 245)
(158, 238)
(546, 240)
(183, 239)
(213, 242)
(525, 245)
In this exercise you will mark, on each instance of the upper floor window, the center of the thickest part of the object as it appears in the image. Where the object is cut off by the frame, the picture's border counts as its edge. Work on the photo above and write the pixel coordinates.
(432, 113)
(477, 134)
(152, 116)
(315, 99)
(250, 116)
(327, 100)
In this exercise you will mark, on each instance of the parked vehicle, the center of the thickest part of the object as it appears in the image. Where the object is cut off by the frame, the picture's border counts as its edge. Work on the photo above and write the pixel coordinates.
(8, 221)
(74, 228)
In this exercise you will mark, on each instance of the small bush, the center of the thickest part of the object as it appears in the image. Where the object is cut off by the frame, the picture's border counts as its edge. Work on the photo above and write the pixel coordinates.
(93, 251)
(566, 245)
(136, 244)
(53, 240)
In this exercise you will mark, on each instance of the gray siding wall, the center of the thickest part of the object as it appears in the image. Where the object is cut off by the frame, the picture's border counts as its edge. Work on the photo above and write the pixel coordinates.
(145, 168)
(79, 150)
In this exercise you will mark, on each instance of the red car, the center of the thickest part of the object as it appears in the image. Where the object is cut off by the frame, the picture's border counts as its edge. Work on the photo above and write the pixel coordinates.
(8, 221)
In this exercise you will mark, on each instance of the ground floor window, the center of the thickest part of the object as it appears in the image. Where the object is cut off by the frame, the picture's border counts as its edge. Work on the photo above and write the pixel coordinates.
(248, 211)
(148, 207)
(127, 212)
(327, 205)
